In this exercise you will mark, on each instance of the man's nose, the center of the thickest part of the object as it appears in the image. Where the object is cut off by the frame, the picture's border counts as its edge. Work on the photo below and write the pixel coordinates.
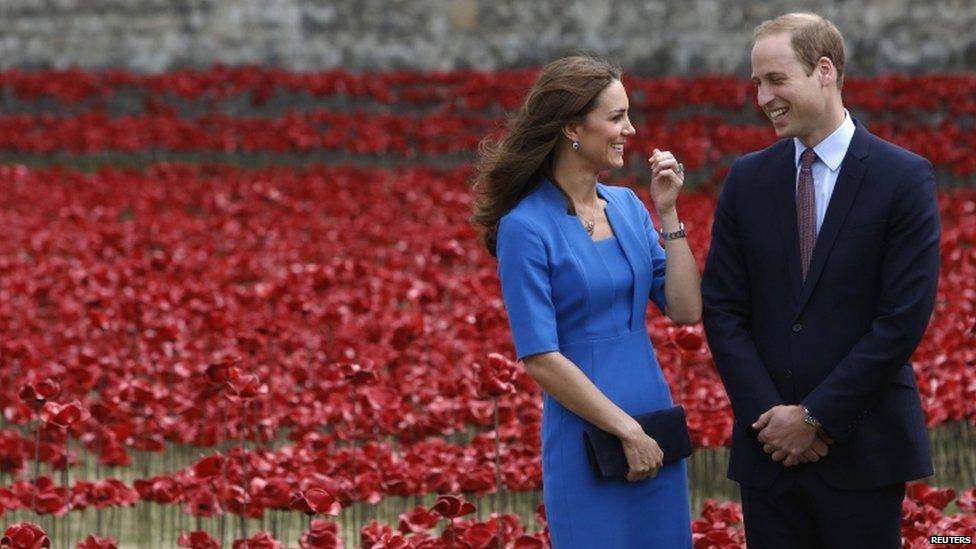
(763, 97)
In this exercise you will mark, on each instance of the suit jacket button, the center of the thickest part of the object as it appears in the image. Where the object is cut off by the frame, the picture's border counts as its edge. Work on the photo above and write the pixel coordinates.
(797, 327)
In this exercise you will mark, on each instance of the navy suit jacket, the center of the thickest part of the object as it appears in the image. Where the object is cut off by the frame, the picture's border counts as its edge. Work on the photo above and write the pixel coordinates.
(840, 341)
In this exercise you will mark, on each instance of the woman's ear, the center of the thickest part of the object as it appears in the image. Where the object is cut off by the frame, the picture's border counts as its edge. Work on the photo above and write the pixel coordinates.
(571, 131)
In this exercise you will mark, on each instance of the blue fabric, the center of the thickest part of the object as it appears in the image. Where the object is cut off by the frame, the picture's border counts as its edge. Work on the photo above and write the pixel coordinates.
(564, 292)
(621, 282)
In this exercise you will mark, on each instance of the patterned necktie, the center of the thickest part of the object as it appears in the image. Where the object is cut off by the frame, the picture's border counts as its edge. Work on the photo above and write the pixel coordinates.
(806, 211)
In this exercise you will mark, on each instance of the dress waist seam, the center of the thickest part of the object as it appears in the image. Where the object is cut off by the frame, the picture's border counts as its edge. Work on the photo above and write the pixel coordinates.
(625, 335)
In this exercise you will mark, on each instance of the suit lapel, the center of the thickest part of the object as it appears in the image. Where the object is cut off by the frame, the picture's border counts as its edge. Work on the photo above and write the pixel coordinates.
(783, 192)
(845, 191)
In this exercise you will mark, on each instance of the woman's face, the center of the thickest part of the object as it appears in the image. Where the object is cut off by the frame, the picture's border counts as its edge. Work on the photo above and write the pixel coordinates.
(606, 128)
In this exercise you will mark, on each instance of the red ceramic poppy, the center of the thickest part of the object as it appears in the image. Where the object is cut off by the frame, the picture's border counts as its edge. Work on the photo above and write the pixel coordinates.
(63, 416)
(95, 542)
(420, 519)
(452, 506)
(260, 540)
(24, 535)
(197, 540)
(41, 391)
(321, 534)
(315, 501)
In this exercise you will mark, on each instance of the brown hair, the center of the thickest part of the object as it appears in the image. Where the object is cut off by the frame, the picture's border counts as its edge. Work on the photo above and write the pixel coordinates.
(509, 168)
(811, 36)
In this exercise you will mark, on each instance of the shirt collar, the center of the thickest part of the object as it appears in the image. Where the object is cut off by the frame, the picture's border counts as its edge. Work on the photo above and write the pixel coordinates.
(830, 151)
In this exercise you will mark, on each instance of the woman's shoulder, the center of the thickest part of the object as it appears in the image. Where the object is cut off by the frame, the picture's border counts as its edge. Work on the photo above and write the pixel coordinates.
(621, 196)
(529, 210)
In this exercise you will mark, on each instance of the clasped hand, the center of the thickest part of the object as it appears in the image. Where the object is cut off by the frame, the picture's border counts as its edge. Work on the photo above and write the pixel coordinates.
(644, 456)
(787, 438)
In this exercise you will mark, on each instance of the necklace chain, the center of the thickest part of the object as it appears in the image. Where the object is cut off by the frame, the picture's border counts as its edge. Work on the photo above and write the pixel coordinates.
(588, 224)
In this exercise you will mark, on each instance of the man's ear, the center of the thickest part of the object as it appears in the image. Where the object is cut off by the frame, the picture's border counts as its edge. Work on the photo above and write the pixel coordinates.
(826, 71)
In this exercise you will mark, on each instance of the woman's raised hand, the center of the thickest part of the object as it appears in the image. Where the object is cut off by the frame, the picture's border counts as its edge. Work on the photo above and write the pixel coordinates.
(667, 177)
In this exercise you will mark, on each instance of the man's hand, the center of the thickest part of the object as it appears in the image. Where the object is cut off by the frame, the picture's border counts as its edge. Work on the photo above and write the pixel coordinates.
(817, 450)
(785, 436)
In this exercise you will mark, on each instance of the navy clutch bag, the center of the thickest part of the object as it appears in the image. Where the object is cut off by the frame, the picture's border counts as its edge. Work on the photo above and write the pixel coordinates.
(667, 427)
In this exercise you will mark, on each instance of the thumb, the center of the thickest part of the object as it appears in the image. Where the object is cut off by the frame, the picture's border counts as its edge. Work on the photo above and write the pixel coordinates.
(762, 421)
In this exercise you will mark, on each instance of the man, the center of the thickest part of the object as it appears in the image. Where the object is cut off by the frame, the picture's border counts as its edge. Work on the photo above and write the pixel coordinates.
(819, 285)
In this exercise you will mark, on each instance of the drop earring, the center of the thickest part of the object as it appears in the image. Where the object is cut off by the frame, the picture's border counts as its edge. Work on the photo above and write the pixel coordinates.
(575, 145)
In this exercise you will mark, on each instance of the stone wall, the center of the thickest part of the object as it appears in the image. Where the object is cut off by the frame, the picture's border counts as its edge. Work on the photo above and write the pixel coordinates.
(645, 36)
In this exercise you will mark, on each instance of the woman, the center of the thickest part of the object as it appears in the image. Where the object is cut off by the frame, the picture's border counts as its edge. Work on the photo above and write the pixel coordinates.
(578, 261)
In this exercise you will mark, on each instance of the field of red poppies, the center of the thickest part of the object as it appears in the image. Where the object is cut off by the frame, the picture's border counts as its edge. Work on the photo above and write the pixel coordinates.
(321, 348)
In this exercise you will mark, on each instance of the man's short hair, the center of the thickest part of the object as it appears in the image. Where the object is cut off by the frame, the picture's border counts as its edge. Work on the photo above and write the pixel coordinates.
(812, 37)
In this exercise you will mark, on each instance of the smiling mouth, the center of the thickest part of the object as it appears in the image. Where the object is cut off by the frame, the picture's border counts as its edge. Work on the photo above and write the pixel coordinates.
(776, 114)
(619, 147)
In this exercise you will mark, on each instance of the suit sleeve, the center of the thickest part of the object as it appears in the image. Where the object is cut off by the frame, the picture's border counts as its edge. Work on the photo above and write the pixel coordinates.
(909, 279)
(658, 262)
(523, 269)
(726, 314)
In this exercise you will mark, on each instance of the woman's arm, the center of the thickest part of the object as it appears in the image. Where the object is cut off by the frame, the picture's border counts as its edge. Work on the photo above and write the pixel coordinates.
(565, 382)
(682, 281)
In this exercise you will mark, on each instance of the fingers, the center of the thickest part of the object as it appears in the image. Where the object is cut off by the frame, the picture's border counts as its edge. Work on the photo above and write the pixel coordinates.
(634, 476)
(810, 456)
(819, 447)
(763, 420)
(645, 459)
(780, 455)
(823, 436)
(664, 163)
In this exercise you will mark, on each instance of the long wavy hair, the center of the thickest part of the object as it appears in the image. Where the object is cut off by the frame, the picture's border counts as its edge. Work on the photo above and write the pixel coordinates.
(510, 168)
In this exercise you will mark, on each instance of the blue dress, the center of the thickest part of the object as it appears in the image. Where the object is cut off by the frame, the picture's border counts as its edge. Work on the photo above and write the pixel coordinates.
(564, 292)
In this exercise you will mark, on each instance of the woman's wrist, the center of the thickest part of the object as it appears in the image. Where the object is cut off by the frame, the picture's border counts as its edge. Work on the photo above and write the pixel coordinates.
(669, 220)
(629, 429)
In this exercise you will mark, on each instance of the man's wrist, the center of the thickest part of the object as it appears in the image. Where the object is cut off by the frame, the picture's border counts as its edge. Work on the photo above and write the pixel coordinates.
(810, 420)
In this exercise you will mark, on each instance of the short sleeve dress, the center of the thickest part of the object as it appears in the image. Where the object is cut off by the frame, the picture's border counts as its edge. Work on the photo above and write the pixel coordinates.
(587, 299)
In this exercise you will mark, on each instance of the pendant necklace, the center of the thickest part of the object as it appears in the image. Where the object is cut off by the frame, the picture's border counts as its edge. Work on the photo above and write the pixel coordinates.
(588, 224)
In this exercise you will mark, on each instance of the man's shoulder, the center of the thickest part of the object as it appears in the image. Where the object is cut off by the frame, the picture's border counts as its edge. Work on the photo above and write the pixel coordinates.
(892, 156)
(756, 159)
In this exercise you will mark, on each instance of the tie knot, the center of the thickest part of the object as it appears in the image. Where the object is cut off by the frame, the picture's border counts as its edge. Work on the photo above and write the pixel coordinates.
(807, 158)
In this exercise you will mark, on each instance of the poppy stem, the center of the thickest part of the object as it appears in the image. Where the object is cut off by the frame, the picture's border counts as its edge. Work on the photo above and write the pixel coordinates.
(499, 485)
(244, 469)
(355, 458)
(223, 469)
(37, 462)
(67, 488)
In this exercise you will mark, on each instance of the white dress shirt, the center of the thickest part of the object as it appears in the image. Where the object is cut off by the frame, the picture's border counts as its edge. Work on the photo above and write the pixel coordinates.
(826, 168)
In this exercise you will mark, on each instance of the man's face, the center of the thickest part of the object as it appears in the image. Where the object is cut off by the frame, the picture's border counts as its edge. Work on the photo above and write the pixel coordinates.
(795, 102)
